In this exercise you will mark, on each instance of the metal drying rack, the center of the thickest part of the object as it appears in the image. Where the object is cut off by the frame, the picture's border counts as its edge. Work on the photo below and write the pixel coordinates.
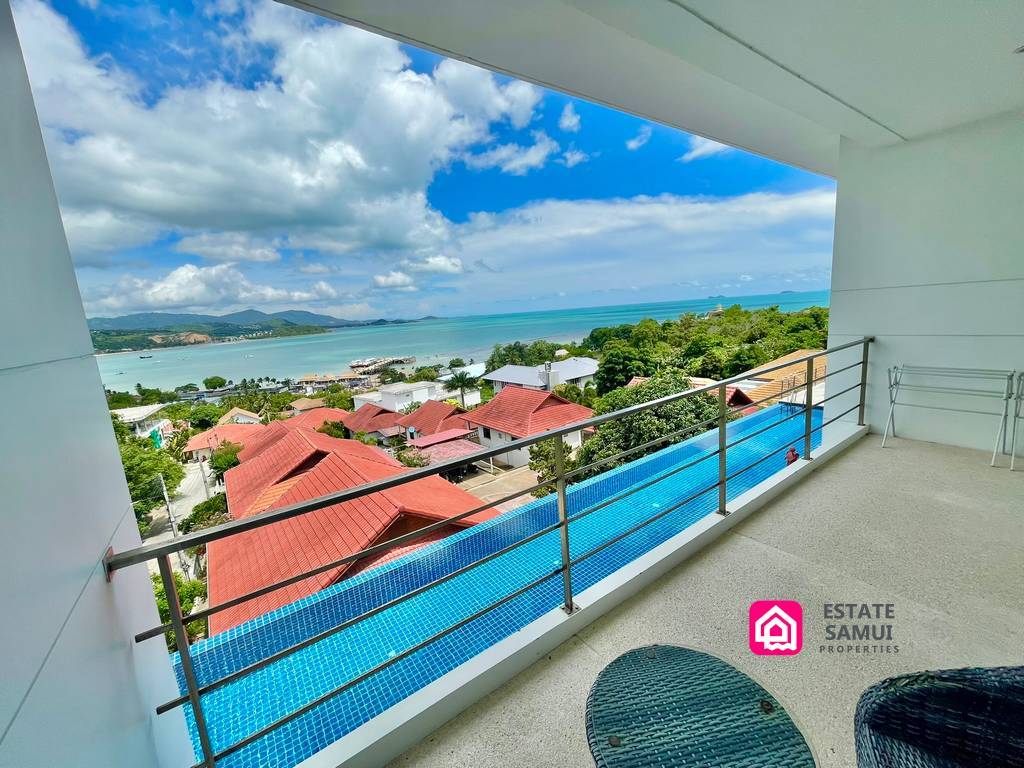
(945, 381)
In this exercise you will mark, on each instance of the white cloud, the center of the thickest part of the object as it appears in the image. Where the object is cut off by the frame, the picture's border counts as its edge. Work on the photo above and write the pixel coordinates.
(516, 159)
(395, 280)
(227, 246)
(191, 286)
(569, 121)
(641, 138)
(701, 147)
(573, 157)
(336, 148)
(745, 278)
(446, 265)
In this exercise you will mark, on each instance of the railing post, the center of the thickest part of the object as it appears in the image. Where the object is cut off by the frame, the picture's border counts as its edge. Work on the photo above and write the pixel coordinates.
(563, 521)
(181, 638)
(722, 413)
(808, 408)
(863, 383)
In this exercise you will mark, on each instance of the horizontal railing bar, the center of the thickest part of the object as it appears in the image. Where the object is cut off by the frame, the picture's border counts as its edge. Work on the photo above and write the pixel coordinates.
(256, 736)
(966, 373)
(637, 488)
(634, 449)
(285, 652)
(232, 527)
(760, 460)
(355, 556)
(840, 370)
(761, 431)
(954, 390)
(838, 394)
(950, 410)
(633, 529)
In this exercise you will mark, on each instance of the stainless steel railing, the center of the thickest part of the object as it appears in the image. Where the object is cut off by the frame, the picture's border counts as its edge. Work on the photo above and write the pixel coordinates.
(162, 551)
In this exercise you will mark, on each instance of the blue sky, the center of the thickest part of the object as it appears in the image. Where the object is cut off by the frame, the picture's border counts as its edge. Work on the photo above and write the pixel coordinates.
(216, 156)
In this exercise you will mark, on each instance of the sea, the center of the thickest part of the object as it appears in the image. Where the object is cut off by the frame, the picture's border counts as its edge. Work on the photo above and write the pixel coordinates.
(429, 341)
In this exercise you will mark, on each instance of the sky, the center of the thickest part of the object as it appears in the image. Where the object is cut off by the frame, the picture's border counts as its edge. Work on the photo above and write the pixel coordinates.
(226, 154)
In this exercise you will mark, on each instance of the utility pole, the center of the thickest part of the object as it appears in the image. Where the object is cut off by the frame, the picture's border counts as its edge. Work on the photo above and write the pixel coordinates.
(174, 525)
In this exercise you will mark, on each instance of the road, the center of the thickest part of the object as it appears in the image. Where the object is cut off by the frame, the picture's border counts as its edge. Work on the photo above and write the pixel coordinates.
(189, 493)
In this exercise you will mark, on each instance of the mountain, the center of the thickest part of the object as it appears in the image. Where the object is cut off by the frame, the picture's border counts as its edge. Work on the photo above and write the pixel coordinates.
(158, 321)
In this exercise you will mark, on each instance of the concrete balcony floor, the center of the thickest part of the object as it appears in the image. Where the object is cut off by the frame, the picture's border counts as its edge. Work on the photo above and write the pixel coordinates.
(930, 528)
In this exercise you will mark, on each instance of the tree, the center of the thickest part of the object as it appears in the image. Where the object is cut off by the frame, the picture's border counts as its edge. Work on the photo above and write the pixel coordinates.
(410, 457)
(391, 375)
(423, 373)
(206, 514)
(223, 458)
(618, 435)
(456, 362)
(619, 363)
(410, 407)
(214, 382)
(338, 396)
(460, 382)
(187, 388)
(333, 429)
(117, 400)
(205, 415)
(189, 591)
(143, 464)
(542, 461)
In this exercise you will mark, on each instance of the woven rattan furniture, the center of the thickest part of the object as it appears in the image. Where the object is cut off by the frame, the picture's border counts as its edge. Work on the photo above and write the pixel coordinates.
(669, 706)
(959, 718)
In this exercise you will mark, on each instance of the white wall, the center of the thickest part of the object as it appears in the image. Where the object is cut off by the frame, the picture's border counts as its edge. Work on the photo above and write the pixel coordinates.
(929, 258)
(76, 690)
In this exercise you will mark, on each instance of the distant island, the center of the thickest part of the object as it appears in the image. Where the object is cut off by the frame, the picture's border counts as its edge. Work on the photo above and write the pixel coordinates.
(157, 330)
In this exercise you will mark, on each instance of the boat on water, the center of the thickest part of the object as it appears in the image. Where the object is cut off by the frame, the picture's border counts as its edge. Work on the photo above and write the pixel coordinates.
(144, 357)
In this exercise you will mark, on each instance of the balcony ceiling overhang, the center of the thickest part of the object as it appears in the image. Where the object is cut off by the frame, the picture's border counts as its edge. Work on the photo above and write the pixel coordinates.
(783, 79)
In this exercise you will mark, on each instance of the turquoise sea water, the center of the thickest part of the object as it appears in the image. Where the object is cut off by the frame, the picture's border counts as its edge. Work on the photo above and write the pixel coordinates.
(428, 340)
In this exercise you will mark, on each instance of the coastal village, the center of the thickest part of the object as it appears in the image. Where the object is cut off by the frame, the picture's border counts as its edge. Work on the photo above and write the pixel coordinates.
(326, 432)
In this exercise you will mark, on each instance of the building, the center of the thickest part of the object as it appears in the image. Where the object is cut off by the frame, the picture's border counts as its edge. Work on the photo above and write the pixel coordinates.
(374, 421)
(915, 114)
(301, 466)
(145, 422)
(316, 417)
(239, 416)
(734, 396)
(304, 404)
(578, 371)
(476, 370)
(769, 387)
(520, 412)
(443, 436)
(318, 382)
(402, 394)
(200, 446)
(432, 417)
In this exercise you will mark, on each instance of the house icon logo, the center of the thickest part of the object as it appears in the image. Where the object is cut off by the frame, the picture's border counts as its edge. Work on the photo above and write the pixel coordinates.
(776, 627)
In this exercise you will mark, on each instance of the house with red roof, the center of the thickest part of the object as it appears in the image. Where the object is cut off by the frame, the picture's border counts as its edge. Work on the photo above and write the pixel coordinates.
(433, 416)
(374, 421)
(517, 412)
(301, 465)
(317, 417)
(199, 447)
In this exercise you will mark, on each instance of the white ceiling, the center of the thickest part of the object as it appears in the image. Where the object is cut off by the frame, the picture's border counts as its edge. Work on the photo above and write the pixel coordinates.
(784, 78)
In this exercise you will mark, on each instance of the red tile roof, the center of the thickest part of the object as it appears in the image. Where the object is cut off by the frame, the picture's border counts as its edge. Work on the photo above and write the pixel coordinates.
(439, 437)
(315, 418)
(371, 418)
(522, 412)
(434, 416)
(452, 449)
(260, 441)
(303, 465)
(225, 433)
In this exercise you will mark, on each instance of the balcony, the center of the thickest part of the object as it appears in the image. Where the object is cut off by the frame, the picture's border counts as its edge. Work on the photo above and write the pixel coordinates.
(384, 655)
(929, 528)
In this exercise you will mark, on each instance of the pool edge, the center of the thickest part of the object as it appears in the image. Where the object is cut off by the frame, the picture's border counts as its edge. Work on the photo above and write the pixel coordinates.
(408, 722)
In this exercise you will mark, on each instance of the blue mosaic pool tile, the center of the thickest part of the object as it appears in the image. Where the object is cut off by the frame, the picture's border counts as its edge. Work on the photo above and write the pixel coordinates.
(242, 707)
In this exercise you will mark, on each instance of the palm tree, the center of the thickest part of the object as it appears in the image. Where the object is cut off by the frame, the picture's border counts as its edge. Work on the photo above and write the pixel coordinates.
(461, 381)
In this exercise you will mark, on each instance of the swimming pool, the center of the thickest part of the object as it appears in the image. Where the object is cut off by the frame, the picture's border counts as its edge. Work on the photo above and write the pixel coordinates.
(243, 706)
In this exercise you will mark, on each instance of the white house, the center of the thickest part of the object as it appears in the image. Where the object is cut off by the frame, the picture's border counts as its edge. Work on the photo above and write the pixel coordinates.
(573, 370)
(518, 412)
(399, 395)
(143, 420)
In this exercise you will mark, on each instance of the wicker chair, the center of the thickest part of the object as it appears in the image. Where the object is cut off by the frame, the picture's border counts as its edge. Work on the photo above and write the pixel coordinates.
(959, 718)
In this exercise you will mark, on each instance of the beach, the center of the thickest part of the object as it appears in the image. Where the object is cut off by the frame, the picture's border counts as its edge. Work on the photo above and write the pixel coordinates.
(430, 341)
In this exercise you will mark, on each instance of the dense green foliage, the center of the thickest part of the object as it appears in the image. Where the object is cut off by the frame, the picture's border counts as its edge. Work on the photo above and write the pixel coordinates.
(205, 415)
(205, 514)
(391, 375)
(143, 464)
(411, 457)
(616, 436)
(333, 429)
(456, 362)
(574, 394)
(192, 333)
(535, 353)
(337, 396)
(423, 373)
(224, 458)
(214, 382)
(189, 592)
